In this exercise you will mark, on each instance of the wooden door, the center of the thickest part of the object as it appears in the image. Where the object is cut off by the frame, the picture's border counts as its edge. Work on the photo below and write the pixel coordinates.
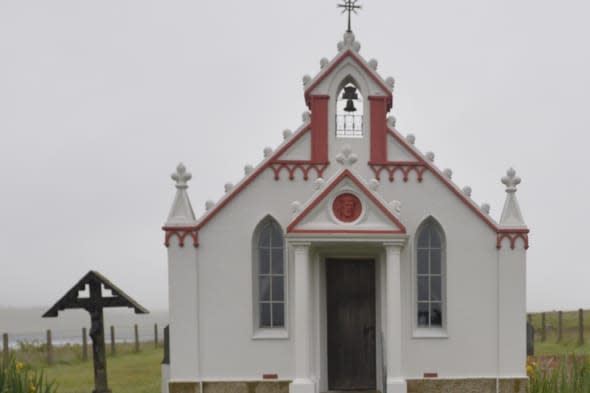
(350, 293)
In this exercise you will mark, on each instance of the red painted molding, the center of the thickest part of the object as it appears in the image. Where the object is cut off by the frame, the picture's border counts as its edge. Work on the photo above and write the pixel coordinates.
(405, 167)
(347, 231)
(293, 165)
(362, 64)
(270, 376)
(446, 182)
(252, 177)
(345, 174)
(319, 128)
(513, 235)
(430, 375)
(181, 233)
(378, 132)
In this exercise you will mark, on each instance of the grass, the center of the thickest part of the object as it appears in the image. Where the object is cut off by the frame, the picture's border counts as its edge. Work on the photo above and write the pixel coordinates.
(128, 371)
(569, 342)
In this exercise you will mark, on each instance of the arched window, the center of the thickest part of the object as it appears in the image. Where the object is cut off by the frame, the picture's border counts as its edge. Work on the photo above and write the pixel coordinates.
(349, 111)
(430, 255)
(270, 275)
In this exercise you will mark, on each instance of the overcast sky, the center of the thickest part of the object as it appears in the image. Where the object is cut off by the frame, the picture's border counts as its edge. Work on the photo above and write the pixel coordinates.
(99, 100)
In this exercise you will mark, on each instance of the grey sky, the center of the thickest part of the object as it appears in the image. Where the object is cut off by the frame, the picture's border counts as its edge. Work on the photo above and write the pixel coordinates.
(100, 100)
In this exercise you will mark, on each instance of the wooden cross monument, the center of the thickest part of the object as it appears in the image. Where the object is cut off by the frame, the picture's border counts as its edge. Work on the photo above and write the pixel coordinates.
(94, 304)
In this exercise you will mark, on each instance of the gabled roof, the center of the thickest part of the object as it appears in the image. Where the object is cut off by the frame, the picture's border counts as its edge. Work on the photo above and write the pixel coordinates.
(372, 197)
(328, 69)
(71, 299)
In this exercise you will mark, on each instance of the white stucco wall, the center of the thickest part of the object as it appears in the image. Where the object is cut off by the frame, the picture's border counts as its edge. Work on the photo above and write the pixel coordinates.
(211, 288)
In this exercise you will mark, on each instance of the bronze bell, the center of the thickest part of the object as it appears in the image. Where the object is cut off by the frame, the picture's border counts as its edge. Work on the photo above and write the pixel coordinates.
(350, 94)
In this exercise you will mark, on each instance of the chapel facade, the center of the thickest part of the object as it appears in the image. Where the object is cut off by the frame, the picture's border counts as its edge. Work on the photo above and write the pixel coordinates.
(346, 260)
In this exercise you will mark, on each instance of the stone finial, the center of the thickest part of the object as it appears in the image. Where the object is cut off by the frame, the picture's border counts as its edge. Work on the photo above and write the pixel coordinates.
(390, 82)
(306, 117)
(448, 173)
(306, 79)
(228, 187)
(181, 212)
(267, 152)
(347, 157)
(181, 176)
(467, 191)
(318, 183)
(429, 156)
(511, 180)
(287, 134)
(349, 42)
(324, 62)
(391, 121)
(485, 207)
(511, 214)
(373, 63)
(209, 205)
(396, 207)
(295, 207)
(411, 139)
(374, 184)
(248, 169)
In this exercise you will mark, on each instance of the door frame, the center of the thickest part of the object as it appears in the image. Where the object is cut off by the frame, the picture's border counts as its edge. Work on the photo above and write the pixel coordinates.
(355, 252)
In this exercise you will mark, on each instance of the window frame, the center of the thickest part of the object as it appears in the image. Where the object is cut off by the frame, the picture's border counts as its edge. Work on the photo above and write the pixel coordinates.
(268, 332)
(420, 331)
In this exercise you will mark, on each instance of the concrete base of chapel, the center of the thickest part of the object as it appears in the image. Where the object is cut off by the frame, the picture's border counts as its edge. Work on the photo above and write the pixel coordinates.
(396, 386)
(302, 386)
(468, 385)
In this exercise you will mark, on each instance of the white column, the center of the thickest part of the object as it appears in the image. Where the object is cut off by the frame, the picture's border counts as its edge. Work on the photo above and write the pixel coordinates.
(302, 320)
(393, 340)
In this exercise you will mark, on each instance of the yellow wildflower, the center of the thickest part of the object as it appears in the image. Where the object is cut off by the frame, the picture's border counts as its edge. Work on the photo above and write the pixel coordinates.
(19, 365)
(530, 369)
(33, 388)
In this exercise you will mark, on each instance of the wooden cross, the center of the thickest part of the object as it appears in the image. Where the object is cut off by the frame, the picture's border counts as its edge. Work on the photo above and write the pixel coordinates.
(95, 304)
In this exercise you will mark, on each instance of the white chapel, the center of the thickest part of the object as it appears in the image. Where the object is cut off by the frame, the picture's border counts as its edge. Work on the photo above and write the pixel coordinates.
(346, 260)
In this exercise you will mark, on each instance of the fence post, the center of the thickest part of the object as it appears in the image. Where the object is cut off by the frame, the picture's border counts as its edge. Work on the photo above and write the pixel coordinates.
(155, 335)
(84, 344)
(113, 346)
(49, 348)
(559, 326)
(580, 326)
(543, 327)
(529, 318)
(136, 337)
(5, 350)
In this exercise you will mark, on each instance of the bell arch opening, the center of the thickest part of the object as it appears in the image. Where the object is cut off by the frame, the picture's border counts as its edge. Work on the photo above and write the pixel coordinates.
(349, 110)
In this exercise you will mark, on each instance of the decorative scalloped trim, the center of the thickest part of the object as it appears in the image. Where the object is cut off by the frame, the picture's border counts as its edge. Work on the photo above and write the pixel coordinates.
(293, 165)
(513, 235)
(181, 233)
(405, 167)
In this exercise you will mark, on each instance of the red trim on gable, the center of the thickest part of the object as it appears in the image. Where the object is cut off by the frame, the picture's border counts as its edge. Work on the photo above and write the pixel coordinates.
(345, 174)
(378, 129)
(181, 233)
(361, 63)
(253, 176)
(347, 231)
(405, 167)
(319, 127)
(445, 181)
(292, 165)
(513, 235)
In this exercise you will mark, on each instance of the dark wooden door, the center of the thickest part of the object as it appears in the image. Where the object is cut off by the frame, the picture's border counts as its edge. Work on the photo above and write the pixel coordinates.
(351, 324)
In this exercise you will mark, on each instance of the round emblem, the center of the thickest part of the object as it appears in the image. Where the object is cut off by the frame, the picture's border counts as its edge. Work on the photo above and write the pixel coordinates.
(347, 207)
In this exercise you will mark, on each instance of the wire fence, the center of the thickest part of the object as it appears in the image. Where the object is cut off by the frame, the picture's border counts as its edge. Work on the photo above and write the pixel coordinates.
(66, 344)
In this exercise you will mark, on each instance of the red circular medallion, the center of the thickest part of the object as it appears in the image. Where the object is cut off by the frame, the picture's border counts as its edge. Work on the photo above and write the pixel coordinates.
(347, 207)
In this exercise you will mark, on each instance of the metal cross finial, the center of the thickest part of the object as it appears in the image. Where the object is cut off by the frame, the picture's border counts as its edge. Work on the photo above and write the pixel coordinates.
(349, 6)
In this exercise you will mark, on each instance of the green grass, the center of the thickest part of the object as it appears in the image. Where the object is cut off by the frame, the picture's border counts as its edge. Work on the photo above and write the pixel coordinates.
(128, 371)
(569, 342)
